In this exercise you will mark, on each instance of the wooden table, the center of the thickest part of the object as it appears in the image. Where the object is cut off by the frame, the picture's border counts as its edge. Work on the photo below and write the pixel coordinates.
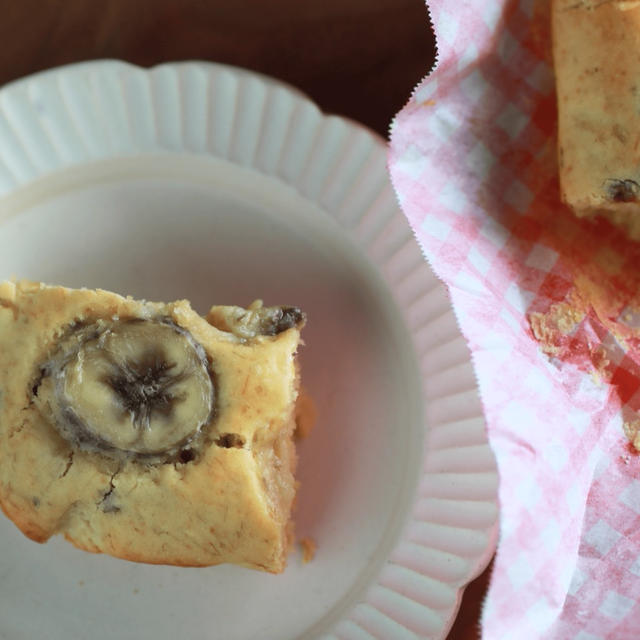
(358, 58)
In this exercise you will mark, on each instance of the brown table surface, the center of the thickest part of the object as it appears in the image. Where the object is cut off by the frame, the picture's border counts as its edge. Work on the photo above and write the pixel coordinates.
(358, 58)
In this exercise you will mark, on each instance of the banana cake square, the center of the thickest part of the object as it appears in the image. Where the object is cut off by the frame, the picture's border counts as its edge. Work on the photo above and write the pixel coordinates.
(596, 52)
(145, 431)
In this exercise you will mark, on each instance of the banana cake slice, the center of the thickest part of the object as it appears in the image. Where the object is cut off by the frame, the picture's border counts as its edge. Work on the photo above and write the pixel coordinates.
(596, 51)
(145, 431)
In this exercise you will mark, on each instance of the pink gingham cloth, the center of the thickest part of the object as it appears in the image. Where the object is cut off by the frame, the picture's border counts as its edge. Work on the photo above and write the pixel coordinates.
(473, 161)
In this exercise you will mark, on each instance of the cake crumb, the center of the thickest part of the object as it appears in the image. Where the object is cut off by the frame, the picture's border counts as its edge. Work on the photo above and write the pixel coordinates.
(306, 414)
(632, 431)
(309, 547)
(549, 328)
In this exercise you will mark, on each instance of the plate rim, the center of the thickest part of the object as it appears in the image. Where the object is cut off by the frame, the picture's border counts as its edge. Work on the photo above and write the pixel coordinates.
(361, 619)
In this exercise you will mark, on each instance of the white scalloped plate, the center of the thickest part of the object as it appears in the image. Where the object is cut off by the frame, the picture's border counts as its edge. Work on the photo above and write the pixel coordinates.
(215, 184)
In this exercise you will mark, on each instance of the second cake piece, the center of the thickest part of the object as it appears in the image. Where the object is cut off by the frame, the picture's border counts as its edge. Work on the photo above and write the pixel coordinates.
(596, 49)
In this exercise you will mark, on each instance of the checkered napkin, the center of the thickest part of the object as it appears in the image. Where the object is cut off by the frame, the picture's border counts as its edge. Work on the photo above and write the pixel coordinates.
(548, 304)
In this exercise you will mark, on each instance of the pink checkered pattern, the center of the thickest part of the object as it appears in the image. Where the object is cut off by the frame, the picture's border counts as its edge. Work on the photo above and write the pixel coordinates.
(473, 161)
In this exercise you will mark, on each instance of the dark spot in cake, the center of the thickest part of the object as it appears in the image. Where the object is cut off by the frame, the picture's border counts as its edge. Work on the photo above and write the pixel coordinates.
(231, 441)
(37, 382)
(622, 190)
(68, 465)
(186, 455)
(36, 501)
(284, 318)
(108, 502)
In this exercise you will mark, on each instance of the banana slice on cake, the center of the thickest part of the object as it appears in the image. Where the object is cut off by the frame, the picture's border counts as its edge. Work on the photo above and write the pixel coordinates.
(130, 387)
